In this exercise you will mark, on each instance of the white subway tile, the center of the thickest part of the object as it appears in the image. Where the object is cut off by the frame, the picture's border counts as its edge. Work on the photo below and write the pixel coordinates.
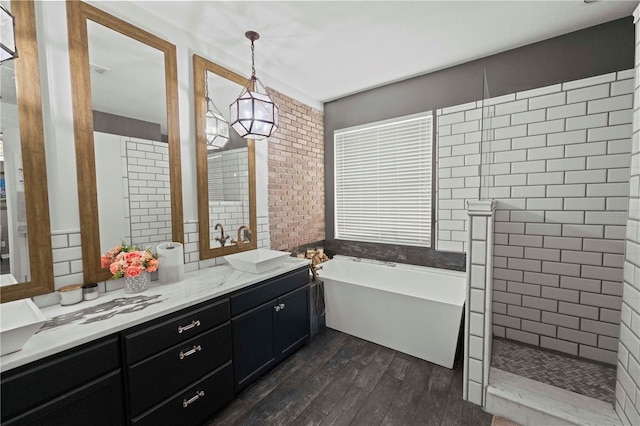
(611, 104)
(608, 343)
(566, 138)
(528, 191)
(626, 74)
(587, 121)
(582, 258)
(525, 240)
(457, 108)
(565, 243)
(554, 229)
(559, 345)
(581, 311)
(601, 355)
(530, 166)
(530, 265)
(540, 91)
(601, 300)
(620, 146)
(586, 176)
(59, 241)
(561, 268)
(561, 294)
(542, 254)
(584, 204)
(545, 153)
(499, 192)
(511, 107)
(560, 319)
(507, 275)
(564, 217)
(582, 231)
(622, 86)
(564, 111)
(620, 117)
(467, 148)
(465, 171)
(544, 204)
(614, 232)
(521, 312)
(590, 81)
(473, 114)
(538, 327)
(613, 261)
(580, 284)
(528, 117)
(603, 246)
(550, 280)
(510, 180)
(67, 254)
(499, 99)
(510, 156)
(565, 164)
(607, 189)
(536, 141)
(544, 178)
(510, 132)
(522, 336)
(451, 140)
(577, 336)
(527, 216)
(544, 127)
(453, 246)
(622, 131)
(465, 127)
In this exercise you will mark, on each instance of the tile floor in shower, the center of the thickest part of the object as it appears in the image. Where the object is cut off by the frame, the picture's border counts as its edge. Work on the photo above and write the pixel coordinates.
(564, 371)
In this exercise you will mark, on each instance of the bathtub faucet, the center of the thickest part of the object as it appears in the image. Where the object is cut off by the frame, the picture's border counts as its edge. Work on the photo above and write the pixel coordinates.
(356, 259)
(393, 265)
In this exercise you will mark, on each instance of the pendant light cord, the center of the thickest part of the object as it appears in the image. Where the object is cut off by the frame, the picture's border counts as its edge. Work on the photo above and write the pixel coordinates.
(253, 62)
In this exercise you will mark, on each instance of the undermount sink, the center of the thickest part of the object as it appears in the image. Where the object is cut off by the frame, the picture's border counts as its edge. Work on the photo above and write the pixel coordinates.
(19, 320)
(257, 261)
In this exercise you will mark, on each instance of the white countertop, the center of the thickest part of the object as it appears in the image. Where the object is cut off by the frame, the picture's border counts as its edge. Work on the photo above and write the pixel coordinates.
(197, 287)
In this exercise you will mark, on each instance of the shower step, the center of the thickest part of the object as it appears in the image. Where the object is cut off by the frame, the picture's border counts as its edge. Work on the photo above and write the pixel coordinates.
(528, 402)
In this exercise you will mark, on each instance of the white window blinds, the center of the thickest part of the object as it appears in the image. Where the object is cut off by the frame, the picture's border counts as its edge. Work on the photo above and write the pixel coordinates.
(383, 181)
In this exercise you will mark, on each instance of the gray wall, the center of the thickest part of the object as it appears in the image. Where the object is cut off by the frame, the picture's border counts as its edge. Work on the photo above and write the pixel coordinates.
(593, 51)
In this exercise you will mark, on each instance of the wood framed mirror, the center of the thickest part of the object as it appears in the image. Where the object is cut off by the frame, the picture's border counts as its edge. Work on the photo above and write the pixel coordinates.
(226, 176)
(25, 193)
(86, 24)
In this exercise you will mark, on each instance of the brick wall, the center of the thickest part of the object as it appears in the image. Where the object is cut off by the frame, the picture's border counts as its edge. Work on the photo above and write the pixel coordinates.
(628, 383)
(558, 165)
(296, 175)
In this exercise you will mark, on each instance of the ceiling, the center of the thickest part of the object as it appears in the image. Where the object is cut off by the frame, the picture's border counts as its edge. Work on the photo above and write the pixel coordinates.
(325, 50)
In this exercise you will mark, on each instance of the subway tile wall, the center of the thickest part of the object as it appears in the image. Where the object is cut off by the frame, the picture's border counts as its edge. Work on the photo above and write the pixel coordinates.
(557, 162)
(628, 371)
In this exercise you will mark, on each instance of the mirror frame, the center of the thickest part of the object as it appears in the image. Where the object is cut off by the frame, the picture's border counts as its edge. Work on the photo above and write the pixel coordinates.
(34, 167)
(78, 13)
(200, 67)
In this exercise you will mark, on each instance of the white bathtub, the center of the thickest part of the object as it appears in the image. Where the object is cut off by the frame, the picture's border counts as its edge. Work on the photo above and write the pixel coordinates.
(412, 309)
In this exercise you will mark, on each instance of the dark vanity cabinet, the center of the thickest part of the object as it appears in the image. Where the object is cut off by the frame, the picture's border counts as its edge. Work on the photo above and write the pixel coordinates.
(179, 368)
(67, 388)
(269, 321)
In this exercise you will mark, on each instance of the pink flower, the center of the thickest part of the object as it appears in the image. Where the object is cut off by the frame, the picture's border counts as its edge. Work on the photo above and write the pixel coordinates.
(105, 261)
(134, 270)
(113, 268)
(152, 265)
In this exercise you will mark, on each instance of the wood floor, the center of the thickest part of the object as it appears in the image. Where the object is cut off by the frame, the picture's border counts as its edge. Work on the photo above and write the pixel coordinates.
(339, 379)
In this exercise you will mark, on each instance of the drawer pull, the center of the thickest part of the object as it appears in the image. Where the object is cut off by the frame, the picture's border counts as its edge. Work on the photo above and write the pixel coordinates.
(191, 351)
(277, 308)
(194, 323)
(187, 402)
(282, 306)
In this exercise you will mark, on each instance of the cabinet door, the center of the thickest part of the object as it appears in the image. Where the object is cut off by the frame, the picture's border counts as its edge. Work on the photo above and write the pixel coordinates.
(293, 321)
(254, 350)
(98, 403)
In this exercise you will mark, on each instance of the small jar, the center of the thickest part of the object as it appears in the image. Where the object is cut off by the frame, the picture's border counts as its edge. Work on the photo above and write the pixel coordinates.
(70, 294)
(90, 291)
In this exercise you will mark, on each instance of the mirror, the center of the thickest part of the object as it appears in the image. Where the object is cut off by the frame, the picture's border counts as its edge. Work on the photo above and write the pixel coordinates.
(26, 267)
(225, 174)
(125, 108)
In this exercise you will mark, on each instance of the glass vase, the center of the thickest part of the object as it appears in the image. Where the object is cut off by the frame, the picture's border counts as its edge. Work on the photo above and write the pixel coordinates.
(138, 283)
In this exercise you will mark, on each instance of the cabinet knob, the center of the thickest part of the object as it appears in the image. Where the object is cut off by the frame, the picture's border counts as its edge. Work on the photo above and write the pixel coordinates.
(277, 308)
(196, 348)
(187, 402)
(282, 306)
(194, 323)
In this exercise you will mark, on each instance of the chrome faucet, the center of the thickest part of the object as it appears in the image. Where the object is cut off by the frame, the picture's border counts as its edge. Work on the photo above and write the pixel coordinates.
(241, 239)
(222, 239)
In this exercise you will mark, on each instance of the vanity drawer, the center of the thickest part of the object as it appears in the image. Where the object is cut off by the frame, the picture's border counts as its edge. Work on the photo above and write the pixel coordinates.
(157, 377)
(270, 290)
(39, 382)
(174, 329)
(193, 405)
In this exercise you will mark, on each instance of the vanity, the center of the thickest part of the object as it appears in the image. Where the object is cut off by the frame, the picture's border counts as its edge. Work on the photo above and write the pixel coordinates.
(175, 354)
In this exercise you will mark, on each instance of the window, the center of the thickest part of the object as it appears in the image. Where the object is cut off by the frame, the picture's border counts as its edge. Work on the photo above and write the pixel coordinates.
(383, 181)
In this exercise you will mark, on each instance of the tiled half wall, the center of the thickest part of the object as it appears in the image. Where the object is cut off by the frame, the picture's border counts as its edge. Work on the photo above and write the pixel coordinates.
(558, 167)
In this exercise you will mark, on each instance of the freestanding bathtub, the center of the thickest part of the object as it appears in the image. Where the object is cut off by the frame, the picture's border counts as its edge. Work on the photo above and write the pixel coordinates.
(412, 309)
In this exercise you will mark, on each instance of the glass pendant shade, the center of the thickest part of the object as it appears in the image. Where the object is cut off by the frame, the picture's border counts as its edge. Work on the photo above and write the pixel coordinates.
(254, 115)
(217, 128)
(7, 36)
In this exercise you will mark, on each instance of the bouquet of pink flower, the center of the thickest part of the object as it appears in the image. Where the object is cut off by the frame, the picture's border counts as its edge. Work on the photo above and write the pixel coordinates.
(129, 261)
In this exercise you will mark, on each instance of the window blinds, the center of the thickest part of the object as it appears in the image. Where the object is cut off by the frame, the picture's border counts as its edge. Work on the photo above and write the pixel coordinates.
(383, 181)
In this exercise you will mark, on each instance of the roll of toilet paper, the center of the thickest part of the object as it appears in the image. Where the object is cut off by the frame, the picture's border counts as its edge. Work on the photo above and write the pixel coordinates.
(170, 263)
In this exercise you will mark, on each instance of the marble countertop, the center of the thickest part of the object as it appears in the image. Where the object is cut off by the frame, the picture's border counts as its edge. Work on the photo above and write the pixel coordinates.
(116, 311)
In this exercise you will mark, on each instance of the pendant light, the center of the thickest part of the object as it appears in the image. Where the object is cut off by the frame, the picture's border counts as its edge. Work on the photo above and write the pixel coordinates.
(217, 127)
(254, 115)
(7, 36)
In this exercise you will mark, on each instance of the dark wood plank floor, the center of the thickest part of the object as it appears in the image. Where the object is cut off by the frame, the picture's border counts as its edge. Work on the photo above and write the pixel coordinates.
(339, 379)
